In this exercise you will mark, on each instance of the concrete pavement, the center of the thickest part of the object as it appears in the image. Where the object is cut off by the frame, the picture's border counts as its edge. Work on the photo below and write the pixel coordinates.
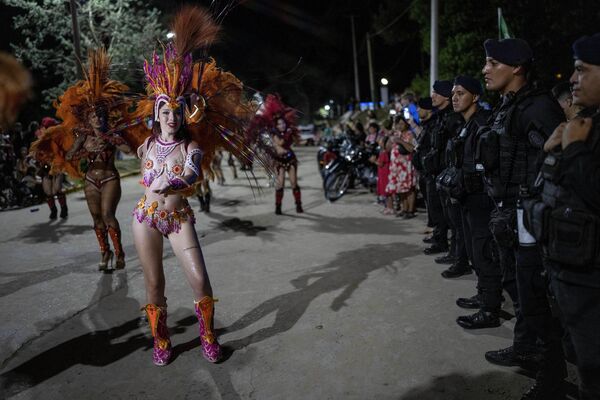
(335, 303)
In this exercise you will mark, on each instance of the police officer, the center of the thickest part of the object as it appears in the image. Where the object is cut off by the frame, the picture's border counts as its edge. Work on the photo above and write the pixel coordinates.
(421, 130)
(571, 235)
(476, 210)
(432, 146)
(510, 149)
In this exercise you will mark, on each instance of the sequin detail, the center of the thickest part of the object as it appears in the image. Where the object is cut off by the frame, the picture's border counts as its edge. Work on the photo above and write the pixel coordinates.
(164, 221)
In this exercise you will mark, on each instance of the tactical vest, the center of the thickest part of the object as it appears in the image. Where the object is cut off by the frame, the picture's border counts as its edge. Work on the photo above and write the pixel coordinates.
(508, 157)
(472, 175)
(562, 221)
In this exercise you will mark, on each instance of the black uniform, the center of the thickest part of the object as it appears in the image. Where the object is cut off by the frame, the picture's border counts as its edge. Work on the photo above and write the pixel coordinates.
(432, 147)
(567, 223)
(450, 202)
(510, 154)
(477, 207)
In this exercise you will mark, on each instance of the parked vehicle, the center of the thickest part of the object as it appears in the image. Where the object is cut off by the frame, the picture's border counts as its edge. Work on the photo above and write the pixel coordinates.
(350, 167)
(307, 134)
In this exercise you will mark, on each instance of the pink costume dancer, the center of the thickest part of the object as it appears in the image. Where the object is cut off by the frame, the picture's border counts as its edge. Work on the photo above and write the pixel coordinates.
(183, 142)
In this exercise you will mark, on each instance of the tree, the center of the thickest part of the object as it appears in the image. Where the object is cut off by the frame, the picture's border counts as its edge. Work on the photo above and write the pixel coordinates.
(127, 29)
(548, 26)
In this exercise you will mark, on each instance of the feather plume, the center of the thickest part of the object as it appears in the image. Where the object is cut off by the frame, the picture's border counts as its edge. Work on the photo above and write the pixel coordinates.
(194, 28)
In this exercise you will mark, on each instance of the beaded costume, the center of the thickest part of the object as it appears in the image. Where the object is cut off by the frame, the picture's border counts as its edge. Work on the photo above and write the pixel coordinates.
(214, 114)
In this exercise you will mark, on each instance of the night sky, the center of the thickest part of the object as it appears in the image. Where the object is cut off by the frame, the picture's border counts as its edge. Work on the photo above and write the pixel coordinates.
(300, 49)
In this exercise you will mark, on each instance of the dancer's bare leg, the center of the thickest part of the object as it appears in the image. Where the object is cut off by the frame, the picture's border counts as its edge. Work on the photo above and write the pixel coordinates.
(149, 246)
(187, 249)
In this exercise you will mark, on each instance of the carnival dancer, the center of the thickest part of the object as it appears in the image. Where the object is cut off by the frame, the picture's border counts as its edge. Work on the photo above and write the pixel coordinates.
(52, 183)
(176, 156)
(280, 121)
(84, 144)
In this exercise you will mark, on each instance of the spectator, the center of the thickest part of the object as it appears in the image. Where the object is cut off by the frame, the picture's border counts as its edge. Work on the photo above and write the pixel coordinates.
(403, 176)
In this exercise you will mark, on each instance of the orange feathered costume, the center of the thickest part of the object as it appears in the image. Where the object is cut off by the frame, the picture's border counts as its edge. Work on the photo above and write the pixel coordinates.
(222, 115)
(73, 109)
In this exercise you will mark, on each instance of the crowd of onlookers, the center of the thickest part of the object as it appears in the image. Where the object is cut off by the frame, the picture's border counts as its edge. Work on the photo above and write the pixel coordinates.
(393, 138)
(21, 184)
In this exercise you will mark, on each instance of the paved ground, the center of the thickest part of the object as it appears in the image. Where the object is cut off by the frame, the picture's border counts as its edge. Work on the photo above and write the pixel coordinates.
(335, 303)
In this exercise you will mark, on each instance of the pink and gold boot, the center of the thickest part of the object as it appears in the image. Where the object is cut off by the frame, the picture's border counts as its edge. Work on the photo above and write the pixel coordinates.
(205, 308)
(157, 318)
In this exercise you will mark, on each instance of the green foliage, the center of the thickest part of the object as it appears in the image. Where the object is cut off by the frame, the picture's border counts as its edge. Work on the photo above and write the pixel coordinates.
(127, 28)
(548, 26)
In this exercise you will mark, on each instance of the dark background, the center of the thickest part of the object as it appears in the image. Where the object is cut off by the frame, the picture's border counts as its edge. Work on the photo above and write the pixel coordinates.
(303, 49)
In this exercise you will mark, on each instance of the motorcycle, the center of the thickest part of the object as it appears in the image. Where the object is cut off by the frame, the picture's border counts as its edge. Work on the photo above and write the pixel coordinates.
(351, 166)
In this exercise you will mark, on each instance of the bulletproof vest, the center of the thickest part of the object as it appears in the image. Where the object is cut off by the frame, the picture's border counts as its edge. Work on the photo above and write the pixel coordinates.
(471, 128)
(516, 157)
(553, 194)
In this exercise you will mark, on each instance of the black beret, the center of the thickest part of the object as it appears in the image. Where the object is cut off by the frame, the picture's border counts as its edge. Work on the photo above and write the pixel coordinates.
(587, 49)
(512, 52)
(425, 103)
(443, 88)
(471, 84)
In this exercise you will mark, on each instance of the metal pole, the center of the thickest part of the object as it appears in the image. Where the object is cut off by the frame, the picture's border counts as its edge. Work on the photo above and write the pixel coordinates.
(356, 84)
(499, 19)
(371, 77)
(76, 43)
(433, 66)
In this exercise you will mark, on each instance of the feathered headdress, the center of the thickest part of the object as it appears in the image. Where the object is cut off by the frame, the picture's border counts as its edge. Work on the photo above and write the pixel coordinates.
(273, 109)
(95, 92)
(15, 84)
(222, 115)
(169, 79)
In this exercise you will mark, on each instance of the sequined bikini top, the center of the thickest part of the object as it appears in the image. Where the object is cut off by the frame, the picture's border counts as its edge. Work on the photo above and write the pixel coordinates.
(159, 160)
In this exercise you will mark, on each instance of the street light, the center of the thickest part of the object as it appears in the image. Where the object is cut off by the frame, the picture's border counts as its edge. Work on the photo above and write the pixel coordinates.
(327, 107)
(383, 91)
(170, 35)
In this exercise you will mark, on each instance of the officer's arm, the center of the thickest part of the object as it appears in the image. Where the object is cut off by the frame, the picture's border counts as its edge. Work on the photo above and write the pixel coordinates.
(581, 173)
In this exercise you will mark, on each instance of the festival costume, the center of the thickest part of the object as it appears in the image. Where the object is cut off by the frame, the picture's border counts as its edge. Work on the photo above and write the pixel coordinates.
(73, 147)
(15, 85)
(217, 119)
(274, 109)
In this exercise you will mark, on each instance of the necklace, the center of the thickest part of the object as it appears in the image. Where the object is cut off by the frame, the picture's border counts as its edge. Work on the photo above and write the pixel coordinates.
(164, 149)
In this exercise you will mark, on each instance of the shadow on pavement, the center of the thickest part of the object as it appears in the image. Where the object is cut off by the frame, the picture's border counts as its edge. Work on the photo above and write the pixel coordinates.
(495, 385)
(50, 231)
(96, 348)
(346, 272)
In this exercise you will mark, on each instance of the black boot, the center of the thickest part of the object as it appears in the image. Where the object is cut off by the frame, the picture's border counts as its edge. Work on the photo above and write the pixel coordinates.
(457, 270)
(435, 249)
(52, 206)
(62, 200)
(481, 319)
(546, 389)
(473, 302)
(202, 203)
(278, 209)
(445, 259)
(207, 202)
(508, 357)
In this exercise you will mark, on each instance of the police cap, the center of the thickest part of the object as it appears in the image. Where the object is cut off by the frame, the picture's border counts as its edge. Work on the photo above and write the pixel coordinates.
(469, 83)
(512, 52)
(425, 103)
(587, 49)
(443, 88)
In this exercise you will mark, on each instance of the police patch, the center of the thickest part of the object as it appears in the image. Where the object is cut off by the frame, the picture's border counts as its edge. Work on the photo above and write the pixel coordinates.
(536, 139)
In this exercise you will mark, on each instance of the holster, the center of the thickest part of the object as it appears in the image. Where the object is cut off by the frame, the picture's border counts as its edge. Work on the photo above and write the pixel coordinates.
(573, 237)
(473, 183)
(503, 225)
